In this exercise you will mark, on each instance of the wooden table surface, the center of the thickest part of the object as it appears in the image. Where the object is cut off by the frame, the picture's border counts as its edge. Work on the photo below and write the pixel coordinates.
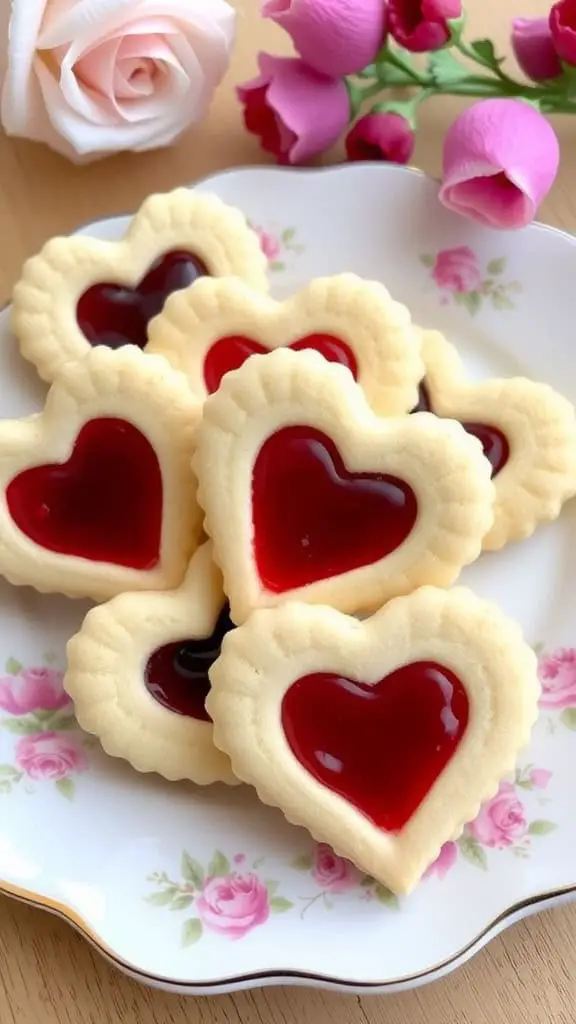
(47, 972)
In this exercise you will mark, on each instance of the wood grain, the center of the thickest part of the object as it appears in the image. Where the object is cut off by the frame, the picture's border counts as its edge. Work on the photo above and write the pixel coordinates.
(47, 972)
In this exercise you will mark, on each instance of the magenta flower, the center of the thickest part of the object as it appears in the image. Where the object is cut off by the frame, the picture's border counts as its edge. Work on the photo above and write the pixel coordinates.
(563, 29)
(233, 905)
(457, 270)
(557, 674)
(500, 160)
(444, 862)
(502, 821)
(295, 111)
(381, 136)
(423, 25)
(335, 37)
(331, 872)
(34, 689)
(540, 777)
(268, 243)
(534, 48)
(50, 755)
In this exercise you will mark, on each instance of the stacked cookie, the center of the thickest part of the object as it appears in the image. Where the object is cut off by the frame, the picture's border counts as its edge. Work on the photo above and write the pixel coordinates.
(238, 479)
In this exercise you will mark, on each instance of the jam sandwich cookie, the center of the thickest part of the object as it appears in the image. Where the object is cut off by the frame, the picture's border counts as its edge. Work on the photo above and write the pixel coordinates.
(210, 329)
(381, 737)
(79, 292)
(138, 675)
(309, 495)
(96, 492)
(527, 430)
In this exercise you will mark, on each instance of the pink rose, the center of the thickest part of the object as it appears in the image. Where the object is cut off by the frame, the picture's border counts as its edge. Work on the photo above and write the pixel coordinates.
(333, 873)
(335, 37)
(444, 862)
(457, 270)
(234, 905)
(295, 112)
(383, 135)
(557, 673)
(34, 689)
(534, 48)
(501, 821)
(50, 755)
(90, 77)
(423, 25)
(270, 246)
(540, 777)
(500, 160)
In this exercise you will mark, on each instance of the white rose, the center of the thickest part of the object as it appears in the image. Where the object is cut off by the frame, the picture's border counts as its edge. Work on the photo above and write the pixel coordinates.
(90, 77)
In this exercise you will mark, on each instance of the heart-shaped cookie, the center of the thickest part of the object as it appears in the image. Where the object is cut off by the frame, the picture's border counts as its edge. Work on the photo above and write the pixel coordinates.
(81, 292)
(211, 329)
(309, 495)
(96, 492)
(381, 737)
(527, 430)
(138, 675)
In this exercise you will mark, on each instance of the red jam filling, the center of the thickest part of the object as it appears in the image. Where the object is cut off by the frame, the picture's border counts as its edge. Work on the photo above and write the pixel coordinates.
(104, 504)
(380, 747)
(230, 353)
(176, 675)
(313, 518)
(116, 315)
(493, 441)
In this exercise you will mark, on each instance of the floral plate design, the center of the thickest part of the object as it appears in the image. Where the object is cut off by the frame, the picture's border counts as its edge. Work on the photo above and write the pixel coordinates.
(205, 890)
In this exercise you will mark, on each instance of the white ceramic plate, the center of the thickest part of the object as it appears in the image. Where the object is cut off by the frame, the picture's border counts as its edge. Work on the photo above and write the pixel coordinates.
(205, 890)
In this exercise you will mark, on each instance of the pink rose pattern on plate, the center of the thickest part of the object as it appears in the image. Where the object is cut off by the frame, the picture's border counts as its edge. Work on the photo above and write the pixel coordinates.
(557, 673)
(275, 246)
(49, 747)
(459, 278)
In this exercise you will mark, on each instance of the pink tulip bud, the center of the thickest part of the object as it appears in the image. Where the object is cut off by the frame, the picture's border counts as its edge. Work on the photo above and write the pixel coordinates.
(381, 136)
(296, 112)
(534, 49)
(500, 160)
(335, 37)
(423, 25)
(563, 29)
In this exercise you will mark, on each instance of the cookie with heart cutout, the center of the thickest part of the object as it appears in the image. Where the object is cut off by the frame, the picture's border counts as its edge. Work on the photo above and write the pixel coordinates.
(527, 430)
(381, 737)
(80, 292)
(96, 492)
(211, 329)
(309, 495)
(138, 675)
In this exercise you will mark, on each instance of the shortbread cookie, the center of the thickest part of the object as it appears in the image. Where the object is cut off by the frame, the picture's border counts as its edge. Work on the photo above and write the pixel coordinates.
(381, 737)
(138, 675)
(527, 430)
(210, 329)
(309, 495)
(81, 292)
(96, 492)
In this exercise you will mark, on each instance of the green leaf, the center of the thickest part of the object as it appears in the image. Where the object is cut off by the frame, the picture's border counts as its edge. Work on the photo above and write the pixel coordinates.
(182, 901)
(191, 870)
(515, 286)
(541, 827)
(303, 862)
(8, 770)
(219, 866)
(383, 895)
(271, 888)
(443, 68)
(63, 723)
(191, 932)
(568, 718)
(277, 266)
(20, 726)
(287, 235)
(524, 784)
(472, 301)
(368, 72)
(501, 301)
(279, 905)
(486, 54)
(13, 667)
(66, 788)
(5, 786)
(427, 259)
(472, 851)
(538, 648)
(497, 266)
(367, 882)
(162, 899)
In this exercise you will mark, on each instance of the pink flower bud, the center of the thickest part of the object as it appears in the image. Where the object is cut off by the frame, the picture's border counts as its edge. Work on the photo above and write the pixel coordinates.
(295, 112)
(381, 136)
(422, 25)
(335, 37)
(534, 49)
(563, 29)
(500, 160)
